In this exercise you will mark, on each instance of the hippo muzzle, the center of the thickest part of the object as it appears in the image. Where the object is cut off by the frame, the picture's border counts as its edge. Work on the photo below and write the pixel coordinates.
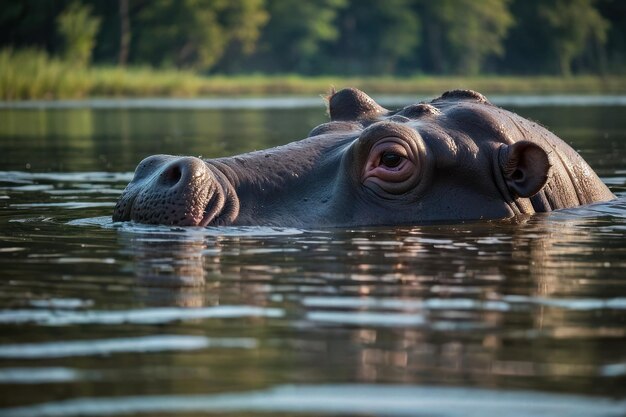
(183, 191)
(455, 158)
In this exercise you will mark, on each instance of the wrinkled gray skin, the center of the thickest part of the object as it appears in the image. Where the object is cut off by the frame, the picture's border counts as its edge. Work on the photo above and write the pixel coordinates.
(453, 159)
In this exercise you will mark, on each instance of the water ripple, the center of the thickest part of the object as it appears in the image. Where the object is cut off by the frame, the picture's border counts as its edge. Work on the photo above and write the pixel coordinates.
(367, 319)
(388, 400)
(144, 316)
(161, 343)
(68, 205)
(62, 303)
(38, 375)
(505, 304)
(21, 177)
(298, 102)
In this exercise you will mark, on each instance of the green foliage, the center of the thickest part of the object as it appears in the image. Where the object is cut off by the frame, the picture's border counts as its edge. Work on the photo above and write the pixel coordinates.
(245, 20)
(574, 24)
(473, 30)
(375, 36)
(296, 33)
(195, 33)
(350, 37)
(78, 29)
(31, 73)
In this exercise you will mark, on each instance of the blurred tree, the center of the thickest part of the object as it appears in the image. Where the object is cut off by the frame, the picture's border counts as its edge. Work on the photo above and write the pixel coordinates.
(614, 51)
(109, 39)
(296, 32)
(375, 36)
(195, 33)
(124, 32)
(245, 19)
(527, 46)
(29, 23)
(332, 36)
(574, 24)
(79, 29)
(472, 30)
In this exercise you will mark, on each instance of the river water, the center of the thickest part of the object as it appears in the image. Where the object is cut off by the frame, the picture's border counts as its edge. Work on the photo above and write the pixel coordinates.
(521, 318)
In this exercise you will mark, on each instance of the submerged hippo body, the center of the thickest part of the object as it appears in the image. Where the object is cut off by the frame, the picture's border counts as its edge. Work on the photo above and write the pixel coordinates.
(456, 158)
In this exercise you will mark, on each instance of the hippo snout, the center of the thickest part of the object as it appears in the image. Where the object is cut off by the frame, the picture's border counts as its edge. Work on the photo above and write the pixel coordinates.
(181, 191)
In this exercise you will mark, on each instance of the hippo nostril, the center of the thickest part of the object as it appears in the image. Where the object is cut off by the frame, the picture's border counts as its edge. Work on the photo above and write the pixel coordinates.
(172, 175)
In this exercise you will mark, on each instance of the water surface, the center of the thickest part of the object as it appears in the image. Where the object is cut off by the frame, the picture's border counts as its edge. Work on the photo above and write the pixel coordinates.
(514, 318)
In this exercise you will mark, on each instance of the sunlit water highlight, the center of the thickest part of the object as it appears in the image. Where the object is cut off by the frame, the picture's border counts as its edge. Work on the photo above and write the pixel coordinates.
(161, 343)
(143, 316)
(344, 400)
(291, 102)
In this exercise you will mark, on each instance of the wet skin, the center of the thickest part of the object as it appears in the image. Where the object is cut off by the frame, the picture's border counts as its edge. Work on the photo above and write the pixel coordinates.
(455, 158)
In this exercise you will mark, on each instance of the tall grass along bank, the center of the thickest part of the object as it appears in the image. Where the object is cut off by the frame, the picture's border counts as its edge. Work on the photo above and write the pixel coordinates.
(32, 74)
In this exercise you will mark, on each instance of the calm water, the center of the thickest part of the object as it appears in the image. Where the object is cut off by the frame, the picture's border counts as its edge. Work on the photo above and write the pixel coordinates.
(520, 318)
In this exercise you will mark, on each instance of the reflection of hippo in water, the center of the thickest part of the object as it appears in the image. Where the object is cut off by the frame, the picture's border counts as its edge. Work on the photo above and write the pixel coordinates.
(455, 158)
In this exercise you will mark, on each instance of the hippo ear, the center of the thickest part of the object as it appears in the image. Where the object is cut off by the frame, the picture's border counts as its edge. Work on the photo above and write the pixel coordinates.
(525, 167)
(352, 104)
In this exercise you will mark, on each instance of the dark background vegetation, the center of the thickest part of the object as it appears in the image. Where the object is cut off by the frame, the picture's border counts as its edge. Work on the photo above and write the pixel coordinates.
(316, 37)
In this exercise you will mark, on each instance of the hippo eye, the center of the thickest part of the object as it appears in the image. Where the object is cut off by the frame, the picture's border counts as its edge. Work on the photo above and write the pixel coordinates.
(391, 159)
(391, 166)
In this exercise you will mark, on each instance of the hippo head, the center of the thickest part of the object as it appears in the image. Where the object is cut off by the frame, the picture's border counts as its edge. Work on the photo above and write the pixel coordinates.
(455, 158)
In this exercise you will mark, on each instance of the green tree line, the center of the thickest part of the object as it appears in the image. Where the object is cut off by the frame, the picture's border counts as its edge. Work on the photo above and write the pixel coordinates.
(342, 37)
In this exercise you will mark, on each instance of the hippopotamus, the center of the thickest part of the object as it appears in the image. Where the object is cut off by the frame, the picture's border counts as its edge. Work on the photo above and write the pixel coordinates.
(455, 158)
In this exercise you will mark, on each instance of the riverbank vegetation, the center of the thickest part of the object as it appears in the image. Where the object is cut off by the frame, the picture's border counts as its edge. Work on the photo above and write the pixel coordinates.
(32, 74)
(87, 48)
